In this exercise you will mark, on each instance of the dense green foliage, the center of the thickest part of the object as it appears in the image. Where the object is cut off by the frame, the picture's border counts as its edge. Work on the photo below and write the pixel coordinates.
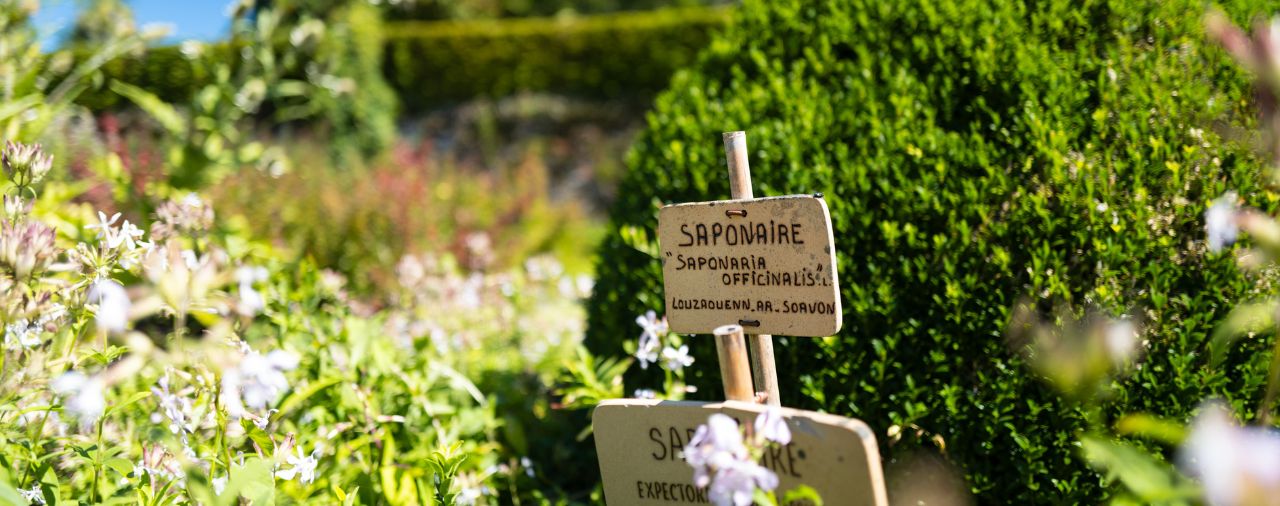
(430, 63)
(610, 56)
(487, 9)
(972, 154)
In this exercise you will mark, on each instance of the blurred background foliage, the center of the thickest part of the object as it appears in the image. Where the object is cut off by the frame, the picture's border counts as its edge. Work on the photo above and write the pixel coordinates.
(511, 126)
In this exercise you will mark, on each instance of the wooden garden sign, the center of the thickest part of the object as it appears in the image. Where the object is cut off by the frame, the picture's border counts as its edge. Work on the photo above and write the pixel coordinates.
(730, 268)
(640, 443)
(766, 264)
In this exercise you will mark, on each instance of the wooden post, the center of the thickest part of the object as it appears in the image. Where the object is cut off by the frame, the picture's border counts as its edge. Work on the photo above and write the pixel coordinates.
(763, 367)
(733, 363)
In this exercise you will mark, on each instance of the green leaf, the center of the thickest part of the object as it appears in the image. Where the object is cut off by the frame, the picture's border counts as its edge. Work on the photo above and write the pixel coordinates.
(1148, 478)
(126, 402)
(18, 106)
(119, 465)
(165, 114)
(1244, 319)
(295, 400)
(10, 495)
(1159, 429)
(802, 495)
(253, 481)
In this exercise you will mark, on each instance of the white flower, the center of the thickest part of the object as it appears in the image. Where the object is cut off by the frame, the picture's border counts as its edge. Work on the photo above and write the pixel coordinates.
(190, 259)
(113, 305)
(471, 488)
(468, 496)
(251, 301)
(22, 334)
(84, 396)
(174, 407)
(261, 422)
(26, 334)
(129, 234)
(34, 495)
(772, 426)
(219, 484)
(192, 200)
(104, 226)
(647, 351)
(1121, 341)
(1220, 222)
(650, 338)
(1237, 465)
(645, 393)
(677, 359)
(304, 467)
(651, 325)
(258, 381)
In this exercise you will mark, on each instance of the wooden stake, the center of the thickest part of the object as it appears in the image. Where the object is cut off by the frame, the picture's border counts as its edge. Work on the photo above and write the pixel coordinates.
(733, 363)
(764, 370)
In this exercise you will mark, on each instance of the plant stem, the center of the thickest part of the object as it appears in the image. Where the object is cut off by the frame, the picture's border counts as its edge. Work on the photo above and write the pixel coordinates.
(1273, 374)
(97, 462)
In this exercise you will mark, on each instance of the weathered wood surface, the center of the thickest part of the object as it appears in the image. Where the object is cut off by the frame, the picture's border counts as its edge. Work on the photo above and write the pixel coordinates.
(640, 444)
(766, 264)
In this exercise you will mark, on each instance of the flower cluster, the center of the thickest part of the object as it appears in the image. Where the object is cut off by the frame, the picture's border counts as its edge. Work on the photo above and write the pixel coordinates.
(675, 356)
(726, 462)
(25, 164)
(187, 217)
(84, 396)
(256, 382)
(26, 248)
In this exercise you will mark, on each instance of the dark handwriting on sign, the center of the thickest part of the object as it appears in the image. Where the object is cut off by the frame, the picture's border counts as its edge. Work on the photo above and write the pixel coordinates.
(668, 443)
(776, 268)
(641, 446)
(740, 234)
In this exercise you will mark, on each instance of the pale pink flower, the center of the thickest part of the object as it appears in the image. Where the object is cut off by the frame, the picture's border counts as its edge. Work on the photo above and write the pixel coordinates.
(772, 426)
(1236, 465)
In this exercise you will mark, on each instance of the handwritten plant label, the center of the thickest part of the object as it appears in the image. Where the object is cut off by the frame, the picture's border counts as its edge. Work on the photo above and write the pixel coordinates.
(641, 443)
(767, 264)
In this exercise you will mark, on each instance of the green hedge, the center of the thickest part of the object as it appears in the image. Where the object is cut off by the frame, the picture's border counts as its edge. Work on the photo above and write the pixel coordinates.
(623, 55)
(972, 152)
(601, 56)
(163, 70)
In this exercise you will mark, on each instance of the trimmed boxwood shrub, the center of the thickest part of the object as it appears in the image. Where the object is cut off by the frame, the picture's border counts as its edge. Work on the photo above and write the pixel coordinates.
(973, 153)
(622, 55)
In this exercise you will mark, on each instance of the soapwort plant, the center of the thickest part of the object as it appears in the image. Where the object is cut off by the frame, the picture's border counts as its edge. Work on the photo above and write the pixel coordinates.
(658, 345)
(726, 460)
(591, 379)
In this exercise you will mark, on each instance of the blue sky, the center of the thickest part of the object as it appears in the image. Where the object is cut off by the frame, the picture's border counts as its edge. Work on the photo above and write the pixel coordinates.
(191, 19)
